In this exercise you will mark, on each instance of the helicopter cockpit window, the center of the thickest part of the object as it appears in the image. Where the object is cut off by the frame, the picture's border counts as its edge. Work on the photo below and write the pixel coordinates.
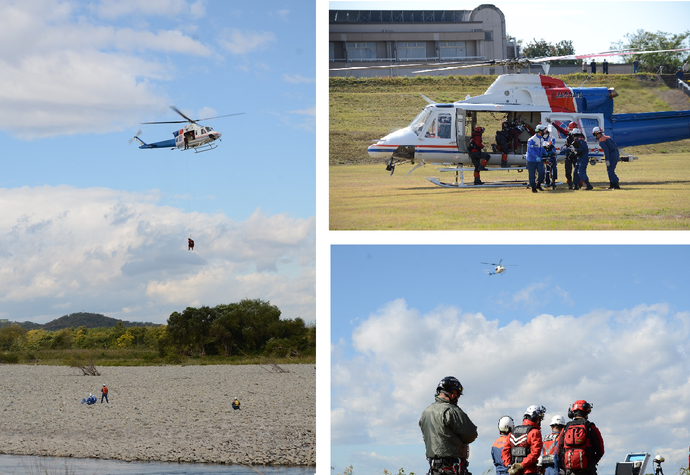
(444, 123)
(417, 124)
(431, 131)
(589, 124)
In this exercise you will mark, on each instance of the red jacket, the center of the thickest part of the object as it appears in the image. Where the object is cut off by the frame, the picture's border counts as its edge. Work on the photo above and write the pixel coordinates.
(535, 444)
(595, 451)
(477, 141)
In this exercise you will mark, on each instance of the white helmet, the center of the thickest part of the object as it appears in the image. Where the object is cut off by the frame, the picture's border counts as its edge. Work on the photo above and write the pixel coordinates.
(535, 412)
(506, 424)
(597, 130)
(576, 131)
(557, 421)
(659, 459)
(541, 127)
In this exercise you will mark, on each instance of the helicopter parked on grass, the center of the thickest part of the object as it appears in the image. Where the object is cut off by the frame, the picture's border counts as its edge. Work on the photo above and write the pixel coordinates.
(194, 136)
(440, 134)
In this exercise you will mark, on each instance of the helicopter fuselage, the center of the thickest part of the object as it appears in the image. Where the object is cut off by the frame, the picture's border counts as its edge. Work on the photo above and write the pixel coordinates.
(440, 134)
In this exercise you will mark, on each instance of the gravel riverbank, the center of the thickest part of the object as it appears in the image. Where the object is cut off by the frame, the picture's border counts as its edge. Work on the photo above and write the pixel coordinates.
(162, 413)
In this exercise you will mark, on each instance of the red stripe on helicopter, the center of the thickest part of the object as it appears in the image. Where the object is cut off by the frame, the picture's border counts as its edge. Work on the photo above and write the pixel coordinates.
(560, 96)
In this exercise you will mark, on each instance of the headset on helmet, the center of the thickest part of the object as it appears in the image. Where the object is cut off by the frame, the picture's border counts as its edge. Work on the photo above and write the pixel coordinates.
(597, 130)
(506, 424)
(581, 406)
(535, 413)
(448, 385)
(557, 421)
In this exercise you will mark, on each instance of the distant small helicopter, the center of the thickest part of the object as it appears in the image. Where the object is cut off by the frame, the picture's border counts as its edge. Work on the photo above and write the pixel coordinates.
(195, 136)
(499, 268)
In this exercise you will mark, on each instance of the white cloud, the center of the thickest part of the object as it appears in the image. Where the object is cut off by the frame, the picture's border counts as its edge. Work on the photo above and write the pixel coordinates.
(71, 76)
(631, 363)
(122, 253)
(298, 79)
(241, 42)
(111, 9)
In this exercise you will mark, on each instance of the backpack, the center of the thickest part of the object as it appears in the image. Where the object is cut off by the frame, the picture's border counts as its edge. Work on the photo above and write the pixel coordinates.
(520, 448)
(577, 444)
(502, 140)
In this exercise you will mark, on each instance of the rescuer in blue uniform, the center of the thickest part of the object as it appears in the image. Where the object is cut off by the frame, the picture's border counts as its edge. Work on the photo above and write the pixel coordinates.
(535, 151)
(550, 170)
(505, 427)
(582, 151)
(611, 155)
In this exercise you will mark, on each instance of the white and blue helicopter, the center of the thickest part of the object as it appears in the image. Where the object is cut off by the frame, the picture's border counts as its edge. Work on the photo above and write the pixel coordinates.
(193, 136)
(440, 134)
(499, 269)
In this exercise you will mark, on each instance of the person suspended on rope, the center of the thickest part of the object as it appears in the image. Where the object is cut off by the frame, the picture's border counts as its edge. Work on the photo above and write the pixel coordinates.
(190, 244)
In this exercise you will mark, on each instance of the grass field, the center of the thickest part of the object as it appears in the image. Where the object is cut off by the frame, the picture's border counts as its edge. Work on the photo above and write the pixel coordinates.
(655, 194)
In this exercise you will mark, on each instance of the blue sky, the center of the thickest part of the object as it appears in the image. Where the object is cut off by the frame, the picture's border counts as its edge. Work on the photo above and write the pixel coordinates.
(591, 25)
(609, 324)
(93, 223)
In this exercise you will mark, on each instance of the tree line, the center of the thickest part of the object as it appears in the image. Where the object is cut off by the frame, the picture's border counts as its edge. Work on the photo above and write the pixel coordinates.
(249, 328)
(641, 40)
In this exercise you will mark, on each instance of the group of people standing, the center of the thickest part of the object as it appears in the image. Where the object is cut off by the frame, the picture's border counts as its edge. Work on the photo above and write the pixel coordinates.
(574, 447)
(539, 150)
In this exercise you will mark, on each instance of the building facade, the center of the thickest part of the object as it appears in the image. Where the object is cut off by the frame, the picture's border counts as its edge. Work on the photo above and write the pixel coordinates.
(396, 37)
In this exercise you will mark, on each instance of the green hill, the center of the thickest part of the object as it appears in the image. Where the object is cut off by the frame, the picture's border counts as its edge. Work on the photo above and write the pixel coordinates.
(363, 110)
(75, 320)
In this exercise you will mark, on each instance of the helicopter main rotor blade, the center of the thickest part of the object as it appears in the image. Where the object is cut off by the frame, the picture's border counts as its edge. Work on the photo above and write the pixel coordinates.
(179, 112)
(219, 116)
(169, 122)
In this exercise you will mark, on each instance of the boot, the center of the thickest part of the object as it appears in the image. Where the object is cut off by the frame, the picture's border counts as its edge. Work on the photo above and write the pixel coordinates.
(477, 181)
(483, 165)
(616, 186)
(611, 187)
(539, 187)
(534, 189)
(589, 186)
(504, 160)
(570, 185)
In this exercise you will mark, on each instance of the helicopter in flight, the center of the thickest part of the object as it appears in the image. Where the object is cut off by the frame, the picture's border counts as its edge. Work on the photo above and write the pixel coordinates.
(192, 136)
(498, 269)
(440, 134)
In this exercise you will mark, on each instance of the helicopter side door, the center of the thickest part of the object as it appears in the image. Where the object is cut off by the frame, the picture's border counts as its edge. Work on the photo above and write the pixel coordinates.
(585, 122)
(438, 138)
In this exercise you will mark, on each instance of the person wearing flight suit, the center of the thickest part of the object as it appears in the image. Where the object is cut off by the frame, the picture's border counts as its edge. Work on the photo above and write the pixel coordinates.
(593, 447)
(523, 447)
(505, 427)
(535, 151)
(570, 137)
(447, 430)
(582, 151)
(548, 461)
(479, 158)
(611, 155)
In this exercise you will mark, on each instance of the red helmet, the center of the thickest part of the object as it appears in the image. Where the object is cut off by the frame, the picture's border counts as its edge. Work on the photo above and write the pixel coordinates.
(572, 125)
(580, 405)
(479, 130)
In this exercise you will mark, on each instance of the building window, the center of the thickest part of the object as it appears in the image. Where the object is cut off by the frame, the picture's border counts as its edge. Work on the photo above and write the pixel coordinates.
(331, 51)
(452, 49)
(488, 36)
(361, 51)
(411, 50)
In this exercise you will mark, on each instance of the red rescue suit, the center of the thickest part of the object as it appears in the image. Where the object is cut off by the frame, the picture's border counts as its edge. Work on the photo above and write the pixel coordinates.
(531, 441)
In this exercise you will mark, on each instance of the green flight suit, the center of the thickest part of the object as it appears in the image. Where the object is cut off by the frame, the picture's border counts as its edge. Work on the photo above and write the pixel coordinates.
(447, 430)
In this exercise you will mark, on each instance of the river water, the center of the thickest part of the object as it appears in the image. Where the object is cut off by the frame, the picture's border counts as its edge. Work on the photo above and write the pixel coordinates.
(30, 465)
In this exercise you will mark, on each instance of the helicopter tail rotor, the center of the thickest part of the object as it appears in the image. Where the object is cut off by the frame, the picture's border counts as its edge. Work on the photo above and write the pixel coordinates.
(135, 137)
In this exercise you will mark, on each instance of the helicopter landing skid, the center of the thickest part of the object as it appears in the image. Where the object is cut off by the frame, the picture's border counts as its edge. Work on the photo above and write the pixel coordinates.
(205, 148)
(460, 182)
